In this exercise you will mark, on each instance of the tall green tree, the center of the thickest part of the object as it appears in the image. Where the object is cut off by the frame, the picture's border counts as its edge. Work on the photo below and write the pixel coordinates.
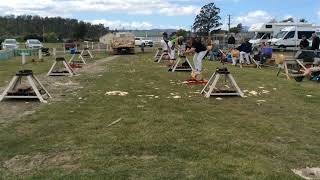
(236, 29)
(208, 19)
(182, 32)
(80, 31)
(25, 26)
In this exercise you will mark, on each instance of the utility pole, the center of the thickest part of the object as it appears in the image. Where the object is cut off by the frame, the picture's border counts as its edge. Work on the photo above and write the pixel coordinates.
(42, 33)
(229, 22)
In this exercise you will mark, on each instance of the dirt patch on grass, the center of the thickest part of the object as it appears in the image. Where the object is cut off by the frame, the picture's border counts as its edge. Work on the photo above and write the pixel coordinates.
(97, 66)
(21, 164)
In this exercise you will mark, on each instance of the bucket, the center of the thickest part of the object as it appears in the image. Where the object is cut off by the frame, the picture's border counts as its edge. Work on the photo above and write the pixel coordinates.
(72, 51)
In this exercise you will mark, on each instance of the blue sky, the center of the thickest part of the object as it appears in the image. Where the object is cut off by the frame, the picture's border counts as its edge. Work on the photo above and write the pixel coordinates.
(148, 14)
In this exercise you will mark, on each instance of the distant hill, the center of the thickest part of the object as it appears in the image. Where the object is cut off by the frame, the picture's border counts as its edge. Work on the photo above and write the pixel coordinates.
(151, 33)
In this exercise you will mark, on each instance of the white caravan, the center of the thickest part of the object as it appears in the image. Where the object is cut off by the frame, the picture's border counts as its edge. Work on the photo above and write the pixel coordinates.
(291, 36)
(265, 32)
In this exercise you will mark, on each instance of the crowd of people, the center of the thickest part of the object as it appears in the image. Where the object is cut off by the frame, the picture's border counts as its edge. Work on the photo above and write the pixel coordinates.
(202, 47)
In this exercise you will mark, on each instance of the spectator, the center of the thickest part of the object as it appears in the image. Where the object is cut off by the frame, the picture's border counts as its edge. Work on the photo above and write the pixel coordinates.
(142, 47)
(304, 44)
(245, 50)
(231, 41)
(315, 42)
(263, 54)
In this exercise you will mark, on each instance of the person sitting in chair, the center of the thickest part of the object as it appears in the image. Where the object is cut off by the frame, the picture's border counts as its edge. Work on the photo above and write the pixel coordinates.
(245, 50)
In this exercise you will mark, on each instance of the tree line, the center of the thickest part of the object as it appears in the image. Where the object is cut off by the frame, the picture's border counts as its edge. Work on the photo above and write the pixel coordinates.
(49, 29)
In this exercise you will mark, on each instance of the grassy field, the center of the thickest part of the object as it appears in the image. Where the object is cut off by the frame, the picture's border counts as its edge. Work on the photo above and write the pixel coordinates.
(157, 136)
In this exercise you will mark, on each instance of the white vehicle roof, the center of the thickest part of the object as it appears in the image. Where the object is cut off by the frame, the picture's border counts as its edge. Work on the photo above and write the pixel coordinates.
(293, 28)
(33, 41)
(263, 27)
(10, 40)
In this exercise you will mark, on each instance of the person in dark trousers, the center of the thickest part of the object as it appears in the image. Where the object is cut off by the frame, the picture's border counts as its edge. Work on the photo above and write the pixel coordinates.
(142, 47)
(315, 42)
(304, 44)
(231, 41)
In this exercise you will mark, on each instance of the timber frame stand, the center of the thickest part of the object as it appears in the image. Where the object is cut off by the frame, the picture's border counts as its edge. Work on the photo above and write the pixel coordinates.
(68, 71)
(37, 90)
(164, 53)
(288, 72)
(186, 66)
(81, 58)
(211, 88)
(158, 54)
(253, 62)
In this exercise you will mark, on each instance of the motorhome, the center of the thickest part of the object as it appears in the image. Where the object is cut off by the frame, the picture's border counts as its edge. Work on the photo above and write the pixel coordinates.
(291, 36)
(265, 32)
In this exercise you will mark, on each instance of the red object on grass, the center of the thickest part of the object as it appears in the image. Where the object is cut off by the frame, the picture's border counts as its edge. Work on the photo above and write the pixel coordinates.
(75, 65)
(195, 82)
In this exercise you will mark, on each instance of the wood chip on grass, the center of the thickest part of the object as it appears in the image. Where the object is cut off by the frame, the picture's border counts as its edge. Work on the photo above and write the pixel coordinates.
(116, 93)
(308, 173)
(114, 122)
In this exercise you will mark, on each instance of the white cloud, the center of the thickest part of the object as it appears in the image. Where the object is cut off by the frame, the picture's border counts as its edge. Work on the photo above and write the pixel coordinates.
(118, 24)
(69, 7)
(254, 17)
(250, 19)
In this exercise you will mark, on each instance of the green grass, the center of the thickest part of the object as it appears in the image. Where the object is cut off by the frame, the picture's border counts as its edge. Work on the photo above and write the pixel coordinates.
(188, 138)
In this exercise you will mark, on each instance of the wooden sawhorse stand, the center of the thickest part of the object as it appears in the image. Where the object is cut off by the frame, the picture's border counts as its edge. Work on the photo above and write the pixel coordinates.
(182, 67)
(67, 72)
(291, 72)
(211, 88)
(37, 90)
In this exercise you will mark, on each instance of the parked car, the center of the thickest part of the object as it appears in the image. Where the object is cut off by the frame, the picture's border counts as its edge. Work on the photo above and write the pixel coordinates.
(9, 44)
(69, 44)
(33, 44)
(141, 41)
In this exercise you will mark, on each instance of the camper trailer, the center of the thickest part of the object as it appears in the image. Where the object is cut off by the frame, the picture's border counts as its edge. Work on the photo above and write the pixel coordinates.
(265, 32)
(291, 36)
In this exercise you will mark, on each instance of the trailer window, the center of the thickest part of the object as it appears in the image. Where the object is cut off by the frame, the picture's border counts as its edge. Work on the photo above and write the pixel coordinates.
(281, 34)
(259, 35)
(308, 34)
(269, 26)
(267, 36)
(290, 35)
